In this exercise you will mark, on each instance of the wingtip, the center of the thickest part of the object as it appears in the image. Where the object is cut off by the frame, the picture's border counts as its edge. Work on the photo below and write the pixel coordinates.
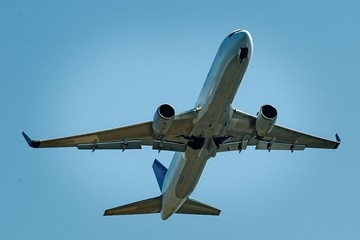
(107, 213)
(32, 143)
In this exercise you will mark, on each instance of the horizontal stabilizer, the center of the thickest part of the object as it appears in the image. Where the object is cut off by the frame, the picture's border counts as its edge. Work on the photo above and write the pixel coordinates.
(192, 206)
(152, 205)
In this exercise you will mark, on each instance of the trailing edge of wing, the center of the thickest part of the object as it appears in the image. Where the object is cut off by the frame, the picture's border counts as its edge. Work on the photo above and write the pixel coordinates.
(133, 144)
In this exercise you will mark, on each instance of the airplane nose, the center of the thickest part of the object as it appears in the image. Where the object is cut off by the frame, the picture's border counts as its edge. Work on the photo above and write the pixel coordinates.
(246, 37)
(243, 35)
(233, 32)
(246, 45)
(241, 42)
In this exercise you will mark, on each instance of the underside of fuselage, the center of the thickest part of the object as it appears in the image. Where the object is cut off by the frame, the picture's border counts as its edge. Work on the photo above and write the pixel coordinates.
(214, 117)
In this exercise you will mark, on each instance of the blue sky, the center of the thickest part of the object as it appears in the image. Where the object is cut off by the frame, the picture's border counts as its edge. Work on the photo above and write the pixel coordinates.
(69, 67)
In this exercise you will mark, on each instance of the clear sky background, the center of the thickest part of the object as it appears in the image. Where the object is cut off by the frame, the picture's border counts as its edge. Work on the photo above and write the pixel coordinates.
(70, 67)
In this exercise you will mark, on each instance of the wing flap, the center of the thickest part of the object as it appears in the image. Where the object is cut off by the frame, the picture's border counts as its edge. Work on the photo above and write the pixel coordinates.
(233, 146)
(265, 145)
(134, 144)
(169, 146)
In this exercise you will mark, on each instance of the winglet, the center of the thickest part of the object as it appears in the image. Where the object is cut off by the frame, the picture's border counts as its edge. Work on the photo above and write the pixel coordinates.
(32, 143)
(338, 140)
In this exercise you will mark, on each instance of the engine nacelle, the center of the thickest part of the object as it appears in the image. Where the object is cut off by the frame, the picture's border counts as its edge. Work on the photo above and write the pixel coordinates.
(163, 119)
(265, 120)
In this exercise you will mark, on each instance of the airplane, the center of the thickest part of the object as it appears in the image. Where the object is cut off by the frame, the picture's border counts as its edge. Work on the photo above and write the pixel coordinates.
(212, 126)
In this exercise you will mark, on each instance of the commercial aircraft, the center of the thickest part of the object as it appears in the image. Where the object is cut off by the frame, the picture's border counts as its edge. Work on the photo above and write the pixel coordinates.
(212, 126)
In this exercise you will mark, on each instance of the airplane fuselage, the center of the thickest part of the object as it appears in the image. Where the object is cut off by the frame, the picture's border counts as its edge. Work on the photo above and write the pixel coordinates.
(213, 119)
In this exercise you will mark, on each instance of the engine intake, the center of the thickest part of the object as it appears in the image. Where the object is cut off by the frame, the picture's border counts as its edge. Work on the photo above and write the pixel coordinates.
(163, 119)
(265, 120)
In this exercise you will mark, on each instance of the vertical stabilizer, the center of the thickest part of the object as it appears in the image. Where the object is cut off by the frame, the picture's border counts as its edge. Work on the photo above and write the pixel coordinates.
(160, 172)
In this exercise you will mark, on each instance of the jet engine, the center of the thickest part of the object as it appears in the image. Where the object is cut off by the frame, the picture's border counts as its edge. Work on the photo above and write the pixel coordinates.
(265, 120)
(163, 119)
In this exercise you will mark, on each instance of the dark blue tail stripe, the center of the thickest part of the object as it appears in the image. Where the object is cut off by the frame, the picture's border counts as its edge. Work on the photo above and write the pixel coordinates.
(160, 172)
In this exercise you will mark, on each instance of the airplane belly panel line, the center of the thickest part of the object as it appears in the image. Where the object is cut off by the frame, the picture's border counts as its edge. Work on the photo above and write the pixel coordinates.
(211, 127)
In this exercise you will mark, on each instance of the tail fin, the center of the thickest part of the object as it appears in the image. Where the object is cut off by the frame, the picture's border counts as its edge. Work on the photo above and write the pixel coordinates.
(160, 172)
(154, 205)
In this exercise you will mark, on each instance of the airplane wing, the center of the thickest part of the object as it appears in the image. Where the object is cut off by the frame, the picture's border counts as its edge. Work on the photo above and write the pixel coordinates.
(129, 137)
(242, 133)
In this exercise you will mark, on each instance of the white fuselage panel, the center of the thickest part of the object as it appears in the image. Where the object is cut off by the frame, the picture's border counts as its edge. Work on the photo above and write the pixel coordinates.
(214, 102)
